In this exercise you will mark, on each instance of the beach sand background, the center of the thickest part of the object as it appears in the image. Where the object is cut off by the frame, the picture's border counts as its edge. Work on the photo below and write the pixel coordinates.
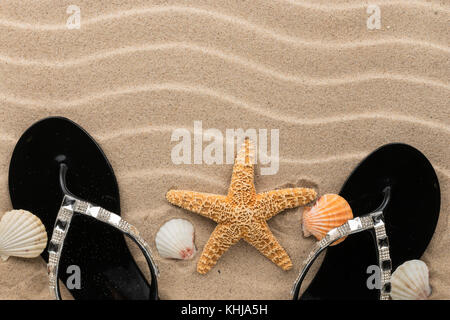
(136, 70)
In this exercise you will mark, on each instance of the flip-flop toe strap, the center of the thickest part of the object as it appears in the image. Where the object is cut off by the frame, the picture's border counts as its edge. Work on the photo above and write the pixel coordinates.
(71, 206)
(373, 221)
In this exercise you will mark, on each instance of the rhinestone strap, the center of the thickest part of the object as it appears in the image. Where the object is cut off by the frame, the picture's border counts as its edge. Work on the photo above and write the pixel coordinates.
(71, 206)
(384, 258)
(371, 221)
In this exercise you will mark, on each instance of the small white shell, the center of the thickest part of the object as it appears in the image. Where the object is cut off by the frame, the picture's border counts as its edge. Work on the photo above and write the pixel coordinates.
(22, 234)
(175, 239)
(410, 281)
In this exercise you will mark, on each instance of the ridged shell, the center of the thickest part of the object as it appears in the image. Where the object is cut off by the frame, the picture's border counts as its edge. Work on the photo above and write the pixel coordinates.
(410, 281)
(22, 234)
(330, 211)
(175, 239)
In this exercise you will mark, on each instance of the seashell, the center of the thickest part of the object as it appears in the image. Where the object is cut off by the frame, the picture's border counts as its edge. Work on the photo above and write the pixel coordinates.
(22, 234)
(330, 211)
(175, 239)
(410, 281)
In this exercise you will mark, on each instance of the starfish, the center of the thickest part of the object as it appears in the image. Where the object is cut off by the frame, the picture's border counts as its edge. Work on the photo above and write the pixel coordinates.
(242, 214)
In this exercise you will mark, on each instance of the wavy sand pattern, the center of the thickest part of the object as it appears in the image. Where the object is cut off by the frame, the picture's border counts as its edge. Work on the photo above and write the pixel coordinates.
(135, 72)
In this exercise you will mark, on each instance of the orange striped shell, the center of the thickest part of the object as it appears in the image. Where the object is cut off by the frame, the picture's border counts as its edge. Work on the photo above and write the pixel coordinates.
(330, 211)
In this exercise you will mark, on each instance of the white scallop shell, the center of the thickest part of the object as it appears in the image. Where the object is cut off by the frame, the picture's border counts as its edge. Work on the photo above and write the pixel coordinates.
(410, 281)
(22, 234)
(175, 239)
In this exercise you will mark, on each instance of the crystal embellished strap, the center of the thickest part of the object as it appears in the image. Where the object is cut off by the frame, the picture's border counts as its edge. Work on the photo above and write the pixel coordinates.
(71, 206)
(384, 257)
(371, 221)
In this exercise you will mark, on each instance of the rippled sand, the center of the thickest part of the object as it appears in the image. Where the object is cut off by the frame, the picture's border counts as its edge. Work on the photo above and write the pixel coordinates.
(135, 72)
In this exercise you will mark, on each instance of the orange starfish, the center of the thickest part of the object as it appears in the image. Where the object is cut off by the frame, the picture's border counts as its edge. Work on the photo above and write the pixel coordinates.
(242, 214)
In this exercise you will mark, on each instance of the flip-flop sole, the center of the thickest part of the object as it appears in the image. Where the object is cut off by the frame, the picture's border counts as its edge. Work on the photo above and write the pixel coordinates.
(410, 216)
(107, 269)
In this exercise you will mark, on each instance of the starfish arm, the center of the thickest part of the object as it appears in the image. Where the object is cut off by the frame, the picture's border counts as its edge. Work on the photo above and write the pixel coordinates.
(222, 238)
(208, 205)
(273, 202)
(261, 238)
(242, 188)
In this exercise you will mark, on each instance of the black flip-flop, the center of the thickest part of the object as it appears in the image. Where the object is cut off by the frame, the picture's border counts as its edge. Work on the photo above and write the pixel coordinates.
(59, 173)
(394, 194)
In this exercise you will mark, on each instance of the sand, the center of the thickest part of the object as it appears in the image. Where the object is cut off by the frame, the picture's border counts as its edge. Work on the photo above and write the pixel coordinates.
(136, 71)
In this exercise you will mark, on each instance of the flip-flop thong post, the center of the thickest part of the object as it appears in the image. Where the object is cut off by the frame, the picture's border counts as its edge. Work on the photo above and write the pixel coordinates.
(394, 193)
(59, 173)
